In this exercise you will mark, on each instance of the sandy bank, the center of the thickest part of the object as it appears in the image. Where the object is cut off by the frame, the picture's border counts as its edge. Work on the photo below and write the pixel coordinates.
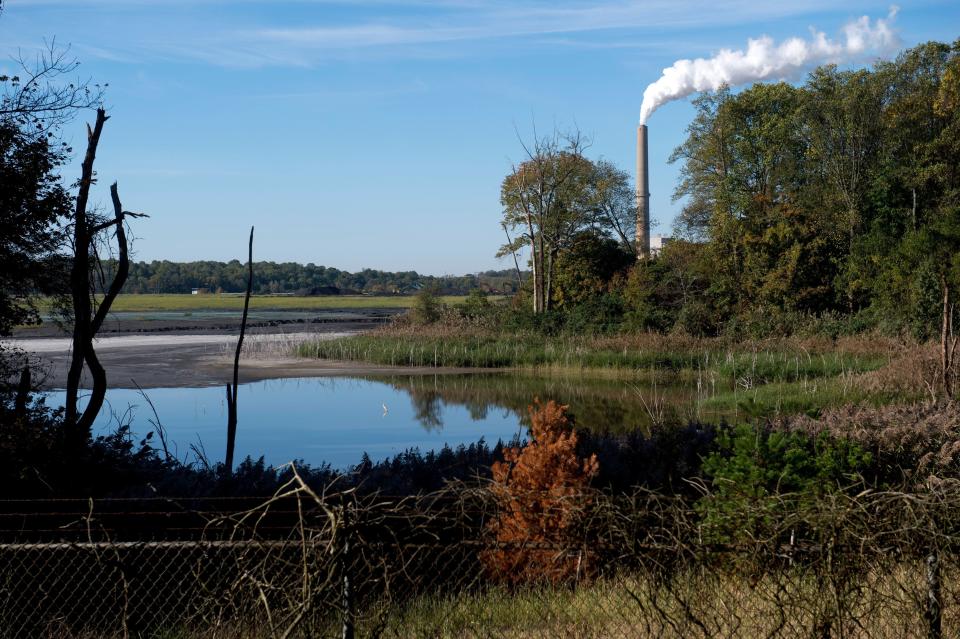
(170, 360)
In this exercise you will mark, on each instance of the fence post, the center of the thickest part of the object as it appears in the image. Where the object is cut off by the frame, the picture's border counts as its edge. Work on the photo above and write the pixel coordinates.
(347, 585)
(934, 611)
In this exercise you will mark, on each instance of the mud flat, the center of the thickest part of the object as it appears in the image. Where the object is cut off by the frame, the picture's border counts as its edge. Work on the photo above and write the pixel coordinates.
(190, 352)
(225, 322)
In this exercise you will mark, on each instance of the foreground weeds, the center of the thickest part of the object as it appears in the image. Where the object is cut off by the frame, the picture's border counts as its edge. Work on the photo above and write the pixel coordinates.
(699, 603)
(306, 563)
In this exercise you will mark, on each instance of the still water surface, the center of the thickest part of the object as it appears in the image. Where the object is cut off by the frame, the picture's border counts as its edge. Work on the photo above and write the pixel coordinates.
(336, 420)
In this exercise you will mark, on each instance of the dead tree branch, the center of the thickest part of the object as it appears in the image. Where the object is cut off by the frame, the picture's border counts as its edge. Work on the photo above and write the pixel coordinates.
(86, 320)
(232, 390)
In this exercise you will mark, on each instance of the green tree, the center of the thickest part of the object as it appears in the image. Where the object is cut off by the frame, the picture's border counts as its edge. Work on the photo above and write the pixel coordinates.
(613, 201)
(758, 474)
(746, 177)
(585, 270)
(705, 166)
(426, 307)
(33, 205)
(546, 197)
(672, 290)
(34, 102)
(552, 198)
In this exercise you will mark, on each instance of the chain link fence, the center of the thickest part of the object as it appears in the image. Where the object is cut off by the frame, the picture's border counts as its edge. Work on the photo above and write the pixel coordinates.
(453, 564)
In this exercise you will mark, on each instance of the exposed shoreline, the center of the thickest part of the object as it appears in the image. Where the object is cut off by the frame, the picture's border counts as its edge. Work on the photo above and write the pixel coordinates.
(191, 356)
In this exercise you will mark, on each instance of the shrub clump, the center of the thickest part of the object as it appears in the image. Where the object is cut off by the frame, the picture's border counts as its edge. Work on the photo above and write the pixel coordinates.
(541, 492)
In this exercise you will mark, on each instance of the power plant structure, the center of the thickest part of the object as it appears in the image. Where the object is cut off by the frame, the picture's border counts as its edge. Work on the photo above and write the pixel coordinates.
(643, 195)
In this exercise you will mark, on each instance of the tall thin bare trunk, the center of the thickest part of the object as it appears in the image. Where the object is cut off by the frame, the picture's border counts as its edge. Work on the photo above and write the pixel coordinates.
(516, 262)
(232, 390)
(98, 374)
(539, 284)
(80, 282)
(86, 321)
(548, 286)
(534, 264)
(947, 342)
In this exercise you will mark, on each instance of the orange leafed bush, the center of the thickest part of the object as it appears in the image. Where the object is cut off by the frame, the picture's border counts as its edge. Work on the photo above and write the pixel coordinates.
(541, 492)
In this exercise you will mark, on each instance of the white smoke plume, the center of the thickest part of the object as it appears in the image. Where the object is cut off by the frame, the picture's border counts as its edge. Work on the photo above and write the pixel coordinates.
(763, 60)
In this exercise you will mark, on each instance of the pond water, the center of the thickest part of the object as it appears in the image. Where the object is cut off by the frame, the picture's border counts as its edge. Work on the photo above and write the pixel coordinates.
(336, 420)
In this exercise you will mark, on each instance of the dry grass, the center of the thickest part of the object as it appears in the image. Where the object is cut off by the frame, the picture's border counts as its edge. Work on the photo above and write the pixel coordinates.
(923, 437)
(913, 371)
(275, 346)
(699, 603)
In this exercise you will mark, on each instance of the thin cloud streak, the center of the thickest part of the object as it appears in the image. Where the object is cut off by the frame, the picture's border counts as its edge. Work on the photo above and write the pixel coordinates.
(446, 23)
(524, 21)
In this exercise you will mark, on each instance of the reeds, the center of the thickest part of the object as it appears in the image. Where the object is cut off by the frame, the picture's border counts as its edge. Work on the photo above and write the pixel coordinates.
(753, 364)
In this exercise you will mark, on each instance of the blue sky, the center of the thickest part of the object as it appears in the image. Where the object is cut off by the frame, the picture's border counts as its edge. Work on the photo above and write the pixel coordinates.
(365, 133)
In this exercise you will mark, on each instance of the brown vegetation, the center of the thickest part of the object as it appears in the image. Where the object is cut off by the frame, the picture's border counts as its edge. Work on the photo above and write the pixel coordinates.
(922, 438)
(540, 488)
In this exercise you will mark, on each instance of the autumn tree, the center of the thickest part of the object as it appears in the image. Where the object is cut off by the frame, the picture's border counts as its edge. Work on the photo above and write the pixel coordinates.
(540, 490)
(551, 198)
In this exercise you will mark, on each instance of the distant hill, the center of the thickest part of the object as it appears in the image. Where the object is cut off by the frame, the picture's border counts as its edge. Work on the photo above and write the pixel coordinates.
(307, 279)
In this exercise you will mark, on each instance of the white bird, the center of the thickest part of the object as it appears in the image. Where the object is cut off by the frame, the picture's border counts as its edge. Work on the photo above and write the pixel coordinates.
(385, 409)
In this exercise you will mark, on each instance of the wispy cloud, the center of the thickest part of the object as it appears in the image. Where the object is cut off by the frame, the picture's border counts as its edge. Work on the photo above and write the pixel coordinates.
(229, 35)
(526, 20)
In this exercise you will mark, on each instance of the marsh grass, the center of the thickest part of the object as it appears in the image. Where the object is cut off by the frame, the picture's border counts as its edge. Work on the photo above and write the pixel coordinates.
(807, 396)
(274, 346)
(738, 379)
(750, 363)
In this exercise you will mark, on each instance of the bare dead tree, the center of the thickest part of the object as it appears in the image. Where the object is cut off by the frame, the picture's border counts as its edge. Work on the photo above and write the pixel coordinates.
(88, 315)
(516, 263)
(38, 97)
(232, 389)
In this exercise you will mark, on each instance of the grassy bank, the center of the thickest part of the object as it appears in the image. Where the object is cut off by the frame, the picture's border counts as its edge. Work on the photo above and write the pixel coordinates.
(753, 362)
(234, 302)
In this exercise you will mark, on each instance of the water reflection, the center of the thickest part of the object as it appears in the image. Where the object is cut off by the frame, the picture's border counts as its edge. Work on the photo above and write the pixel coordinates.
(608, 405)
(427, 407)
(336, 420)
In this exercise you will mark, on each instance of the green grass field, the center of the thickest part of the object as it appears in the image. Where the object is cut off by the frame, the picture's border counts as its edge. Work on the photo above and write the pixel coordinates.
(231, 302)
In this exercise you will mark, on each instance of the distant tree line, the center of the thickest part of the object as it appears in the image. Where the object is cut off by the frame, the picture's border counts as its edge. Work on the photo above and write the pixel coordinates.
(304, 279)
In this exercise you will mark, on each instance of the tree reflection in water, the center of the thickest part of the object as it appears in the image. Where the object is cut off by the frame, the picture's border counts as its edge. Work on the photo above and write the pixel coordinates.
(600, 405)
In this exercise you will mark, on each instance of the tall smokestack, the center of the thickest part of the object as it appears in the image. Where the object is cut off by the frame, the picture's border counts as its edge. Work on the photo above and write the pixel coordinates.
(643, 195)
